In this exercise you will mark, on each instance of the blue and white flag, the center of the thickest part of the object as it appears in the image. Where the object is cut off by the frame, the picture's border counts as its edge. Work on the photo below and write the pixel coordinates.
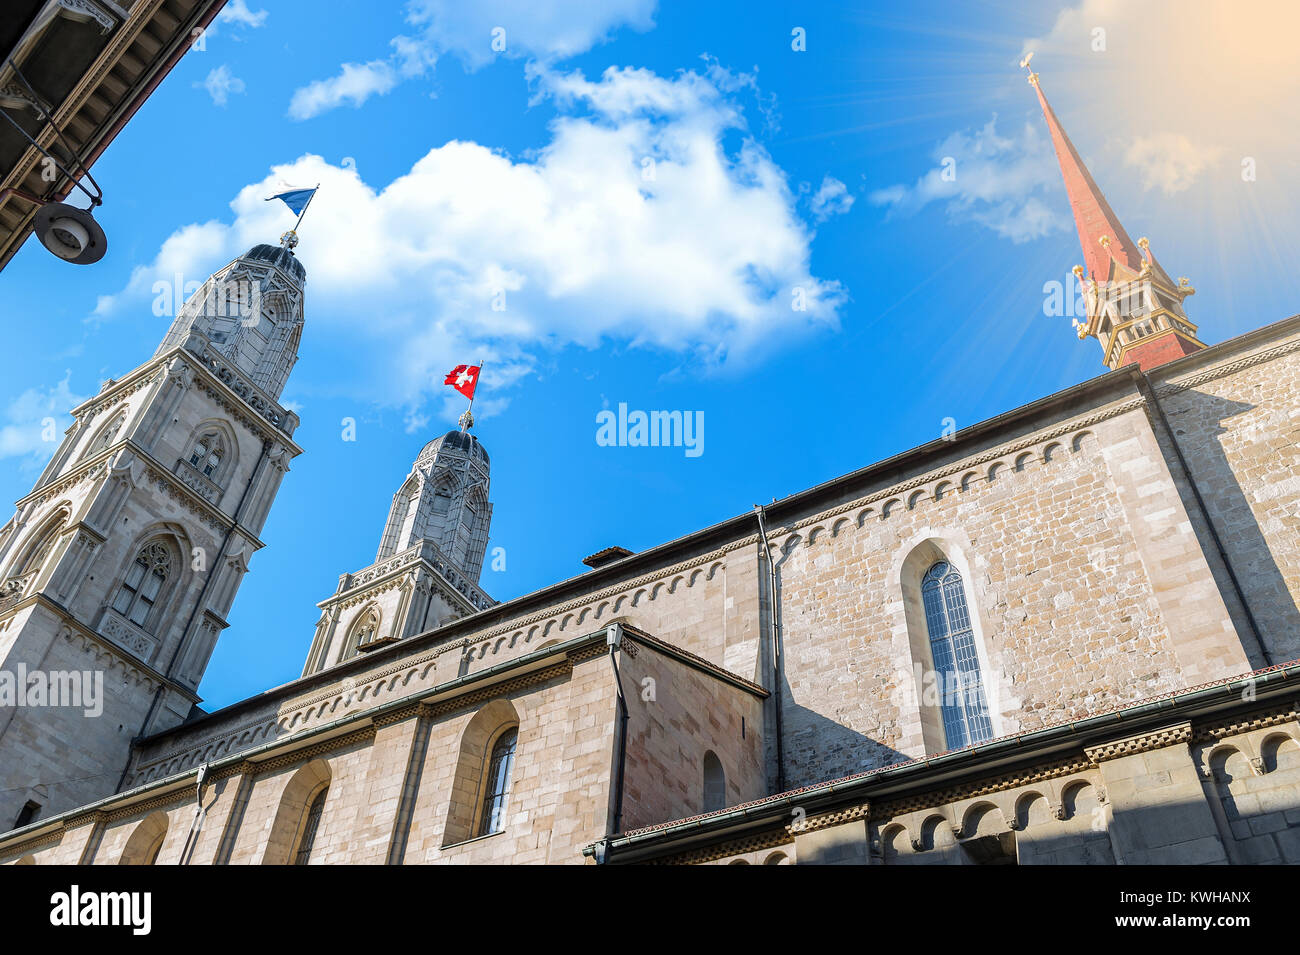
(295, 199)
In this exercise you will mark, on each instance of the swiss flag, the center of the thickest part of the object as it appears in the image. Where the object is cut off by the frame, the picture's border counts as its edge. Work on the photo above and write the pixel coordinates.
(464, 378)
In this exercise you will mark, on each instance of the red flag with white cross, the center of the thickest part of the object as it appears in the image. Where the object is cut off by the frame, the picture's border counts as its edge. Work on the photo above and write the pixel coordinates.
(464, 378)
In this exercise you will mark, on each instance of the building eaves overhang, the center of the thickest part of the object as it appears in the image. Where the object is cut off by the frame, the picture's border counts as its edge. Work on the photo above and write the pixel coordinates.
(361, 664)
(94, 65)
(933, 772)
(462, 686)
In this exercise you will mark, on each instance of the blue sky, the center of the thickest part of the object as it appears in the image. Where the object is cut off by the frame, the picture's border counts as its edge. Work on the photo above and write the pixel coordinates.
(452, 171)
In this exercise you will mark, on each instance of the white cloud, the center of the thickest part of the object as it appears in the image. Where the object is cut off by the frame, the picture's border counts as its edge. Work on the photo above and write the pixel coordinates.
(1008, 184)
(35, 421)
(478, 33)
(236, 11)
(183, 261)
(220, 83)
(831, 199)
(546, 31)
(698, 251)
(1169, 161)
(355, 83)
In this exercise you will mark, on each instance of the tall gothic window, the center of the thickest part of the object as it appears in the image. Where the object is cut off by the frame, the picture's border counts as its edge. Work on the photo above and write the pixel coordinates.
(496, 789)
(107, 434)
(310, 826)
(956, 663)
(205, 456)
(144, 581)
(34, 559)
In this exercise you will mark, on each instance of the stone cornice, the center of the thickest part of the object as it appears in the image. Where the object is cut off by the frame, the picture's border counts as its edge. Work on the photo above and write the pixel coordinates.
(1215, 372)
(363, 735)
(464, 694)
(533, 678)
(950, 470)
(131, 664)
(87, 470)
(155, 368)
(1142, 743)
(121, 389)
(1275, 715)
(983, 786)
(769, 839)
(400, 566)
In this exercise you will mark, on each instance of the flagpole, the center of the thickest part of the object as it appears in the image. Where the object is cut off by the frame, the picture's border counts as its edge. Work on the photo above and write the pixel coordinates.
(466, 422)
(467, 419)
(306, 207)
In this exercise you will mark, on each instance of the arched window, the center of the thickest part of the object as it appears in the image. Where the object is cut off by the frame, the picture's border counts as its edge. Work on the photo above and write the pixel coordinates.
(143, 583)
(311, 823)
(496, 783)
(715, 783)
(32, 561)
(146, 840)
(206, 454)
(481, 785)
(296, 826)
(363, 633)
(956, 663)
(27, 815)
(107, 434)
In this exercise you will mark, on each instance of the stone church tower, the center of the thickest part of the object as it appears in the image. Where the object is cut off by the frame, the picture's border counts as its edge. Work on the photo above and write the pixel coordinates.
(120, 566)
(430, 557)
(1134, 309)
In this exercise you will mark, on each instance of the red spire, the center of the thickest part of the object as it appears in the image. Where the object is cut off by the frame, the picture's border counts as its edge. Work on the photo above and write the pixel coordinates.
(1093, 215)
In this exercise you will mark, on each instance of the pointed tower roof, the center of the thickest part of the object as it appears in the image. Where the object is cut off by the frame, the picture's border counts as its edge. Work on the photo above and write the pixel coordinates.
(1093, 216)
(1134, 310)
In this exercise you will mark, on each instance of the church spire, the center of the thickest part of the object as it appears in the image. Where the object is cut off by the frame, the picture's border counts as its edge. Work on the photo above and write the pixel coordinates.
(1134, 309)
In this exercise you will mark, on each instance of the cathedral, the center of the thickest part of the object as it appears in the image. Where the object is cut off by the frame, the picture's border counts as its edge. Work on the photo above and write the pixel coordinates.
(1068, 634)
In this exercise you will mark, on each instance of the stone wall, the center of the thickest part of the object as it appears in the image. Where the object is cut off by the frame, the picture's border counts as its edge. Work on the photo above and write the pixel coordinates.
(1238, 425)
(677, 714)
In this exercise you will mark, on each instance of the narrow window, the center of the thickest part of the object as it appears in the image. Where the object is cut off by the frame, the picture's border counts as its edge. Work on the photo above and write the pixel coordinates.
(715, 783)
(310, 826)
(496, 790)
(956, 664)
(27, 815)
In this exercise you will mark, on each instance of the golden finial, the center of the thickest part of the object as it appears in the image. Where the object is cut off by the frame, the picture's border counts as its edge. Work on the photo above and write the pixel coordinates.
(1024, 65)
(1145, 245)
(1105, 242)
(1078, 273)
